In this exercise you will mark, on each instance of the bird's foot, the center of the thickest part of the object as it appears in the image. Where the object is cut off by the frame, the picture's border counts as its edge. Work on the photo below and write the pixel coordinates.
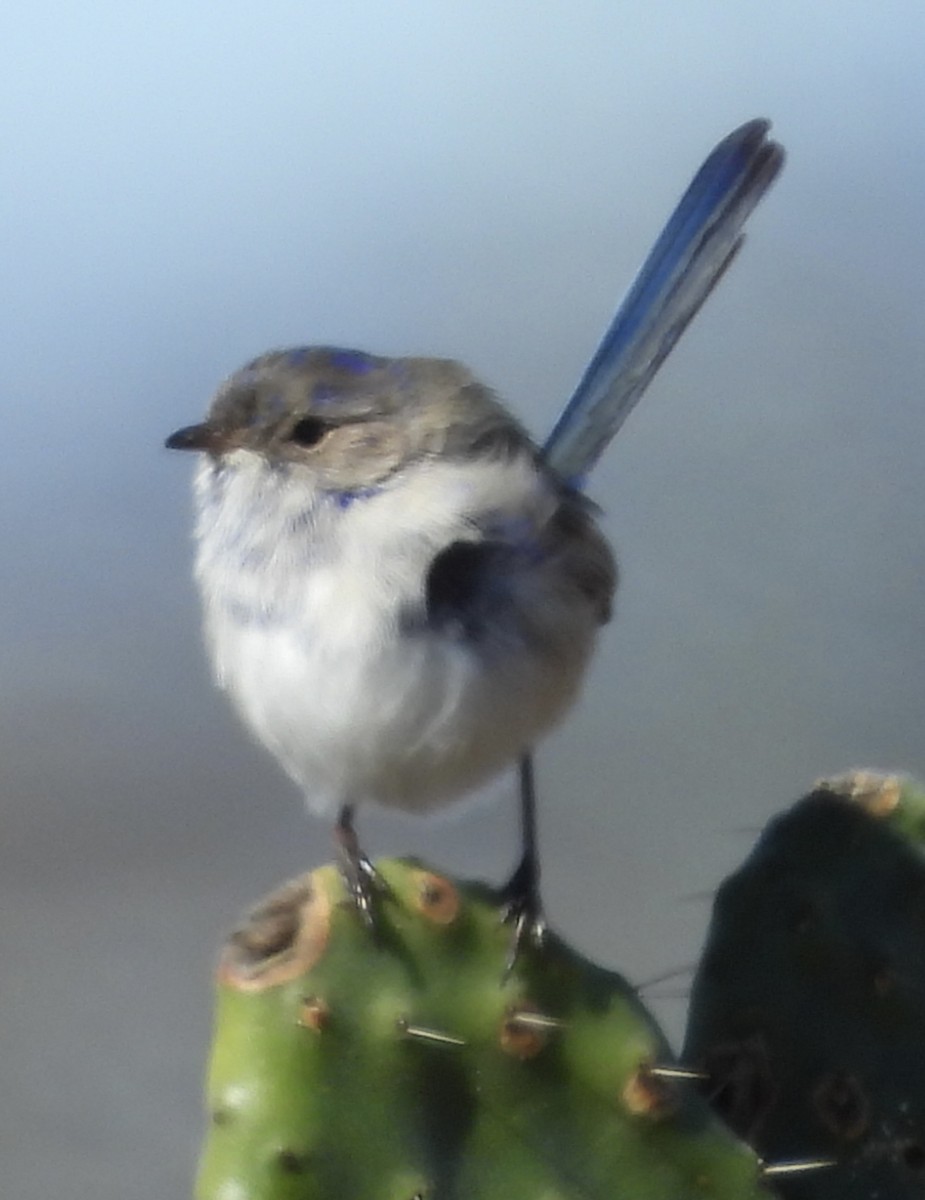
(522, 910)
(365, 886)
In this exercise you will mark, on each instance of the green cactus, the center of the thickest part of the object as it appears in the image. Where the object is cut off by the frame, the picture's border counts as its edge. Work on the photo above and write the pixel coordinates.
(808, 1010)
(407, 1066)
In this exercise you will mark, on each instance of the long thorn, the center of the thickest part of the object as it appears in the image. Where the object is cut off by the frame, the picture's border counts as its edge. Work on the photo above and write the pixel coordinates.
(677, 1073)
(422, 1034)
(535, 1020)
(795, 1168)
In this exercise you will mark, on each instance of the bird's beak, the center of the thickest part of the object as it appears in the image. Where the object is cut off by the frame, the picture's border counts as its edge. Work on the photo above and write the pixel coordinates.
(194, 437)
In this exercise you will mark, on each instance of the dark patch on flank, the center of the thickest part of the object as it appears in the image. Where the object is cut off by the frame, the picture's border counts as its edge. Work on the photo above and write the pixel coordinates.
(462, 585)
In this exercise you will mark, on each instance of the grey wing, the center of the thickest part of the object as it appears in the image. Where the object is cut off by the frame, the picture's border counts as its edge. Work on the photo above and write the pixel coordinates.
(696, 246)
(574, 536)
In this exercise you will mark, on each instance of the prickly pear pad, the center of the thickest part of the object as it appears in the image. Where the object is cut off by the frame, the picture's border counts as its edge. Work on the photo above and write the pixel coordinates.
(405, 1065)
(808, 1010)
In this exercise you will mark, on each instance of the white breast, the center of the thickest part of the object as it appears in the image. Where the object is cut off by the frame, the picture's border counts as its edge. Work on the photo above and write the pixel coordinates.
(306, 602)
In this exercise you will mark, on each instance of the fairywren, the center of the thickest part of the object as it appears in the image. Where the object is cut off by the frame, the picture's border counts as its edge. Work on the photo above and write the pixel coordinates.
(401, 589)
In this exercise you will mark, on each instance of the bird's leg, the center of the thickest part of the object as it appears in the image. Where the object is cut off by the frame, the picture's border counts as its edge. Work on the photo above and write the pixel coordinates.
(359, 875)
(523, 908)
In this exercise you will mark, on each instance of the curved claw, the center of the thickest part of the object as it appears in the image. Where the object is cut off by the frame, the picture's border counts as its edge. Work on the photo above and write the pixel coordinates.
(363, 882)
(522, 909)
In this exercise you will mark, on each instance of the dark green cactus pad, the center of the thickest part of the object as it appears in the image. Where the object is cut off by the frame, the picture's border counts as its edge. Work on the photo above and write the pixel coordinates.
(405, 1067)
(808, 1009)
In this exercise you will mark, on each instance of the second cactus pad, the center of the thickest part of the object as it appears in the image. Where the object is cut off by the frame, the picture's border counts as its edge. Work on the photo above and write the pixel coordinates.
(808, 1011)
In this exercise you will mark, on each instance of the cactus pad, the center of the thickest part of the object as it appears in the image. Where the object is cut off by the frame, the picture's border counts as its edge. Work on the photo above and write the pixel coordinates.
(407, 1066)
(808, 1010)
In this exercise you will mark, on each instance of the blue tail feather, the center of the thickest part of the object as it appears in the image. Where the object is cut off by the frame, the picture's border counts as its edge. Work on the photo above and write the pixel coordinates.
(696, 246)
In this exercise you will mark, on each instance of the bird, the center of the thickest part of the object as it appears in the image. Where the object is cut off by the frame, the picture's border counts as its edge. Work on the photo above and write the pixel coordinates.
(401, 589)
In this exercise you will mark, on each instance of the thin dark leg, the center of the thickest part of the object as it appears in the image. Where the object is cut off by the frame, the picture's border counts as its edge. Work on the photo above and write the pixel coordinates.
(523, 908)
(359, 874)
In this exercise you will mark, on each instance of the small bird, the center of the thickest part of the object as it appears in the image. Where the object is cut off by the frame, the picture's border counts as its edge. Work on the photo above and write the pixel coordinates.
(401, 590)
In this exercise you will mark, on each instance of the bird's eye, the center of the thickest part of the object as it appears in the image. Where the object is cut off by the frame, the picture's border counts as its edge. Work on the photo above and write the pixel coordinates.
(309, 431)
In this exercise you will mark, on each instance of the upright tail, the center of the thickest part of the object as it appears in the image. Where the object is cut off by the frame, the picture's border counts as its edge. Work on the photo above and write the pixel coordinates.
(703, 235)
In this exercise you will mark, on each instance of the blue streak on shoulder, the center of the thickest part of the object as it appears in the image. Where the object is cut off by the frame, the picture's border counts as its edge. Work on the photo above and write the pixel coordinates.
(344, 499)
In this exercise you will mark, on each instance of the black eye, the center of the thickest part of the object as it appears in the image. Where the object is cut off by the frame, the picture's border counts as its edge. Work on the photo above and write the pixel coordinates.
(309, 431)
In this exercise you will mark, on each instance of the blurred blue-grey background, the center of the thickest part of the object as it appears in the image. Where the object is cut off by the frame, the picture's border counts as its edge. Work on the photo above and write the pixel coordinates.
(187, 184)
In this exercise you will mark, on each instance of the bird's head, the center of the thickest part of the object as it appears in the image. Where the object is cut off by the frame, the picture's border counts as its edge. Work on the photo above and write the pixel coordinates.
(352, 420)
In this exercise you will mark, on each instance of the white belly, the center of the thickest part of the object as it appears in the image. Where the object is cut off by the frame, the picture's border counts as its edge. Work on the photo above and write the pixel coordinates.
(410, 722)
(355, 705)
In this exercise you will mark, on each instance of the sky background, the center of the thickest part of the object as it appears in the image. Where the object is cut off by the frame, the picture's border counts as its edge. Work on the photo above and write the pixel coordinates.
(185, 185)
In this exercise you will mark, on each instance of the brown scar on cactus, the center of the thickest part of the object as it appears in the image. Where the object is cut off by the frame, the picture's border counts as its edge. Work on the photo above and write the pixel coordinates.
(281, 938)
(525, 1030)
(877, 792)
(314, 1014)
(647, 1094)
(436, 898)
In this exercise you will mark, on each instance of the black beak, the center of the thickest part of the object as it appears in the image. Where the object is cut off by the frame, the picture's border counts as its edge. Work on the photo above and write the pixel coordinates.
(192, 437)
